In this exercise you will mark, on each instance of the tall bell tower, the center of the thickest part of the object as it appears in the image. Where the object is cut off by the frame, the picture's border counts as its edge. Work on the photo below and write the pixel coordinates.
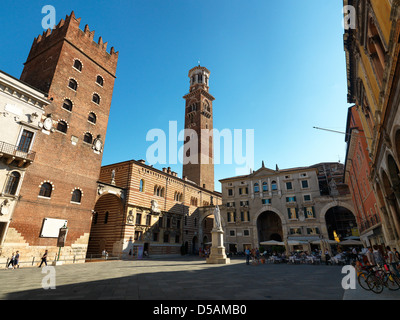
(199, 155)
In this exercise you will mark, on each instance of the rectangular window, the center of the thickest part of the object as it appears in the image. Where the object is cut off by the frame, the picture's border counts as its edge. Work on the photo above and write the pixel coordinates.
(166, 238)
(232, 233)
(309, 212)
(245, 216)
(313, 231)
(293, 213)
(289, 186)
(168, 222)
(295, 230)
(246, 233)
(291, 199)
(138, 218)
(304, 184)
(231, 216)
(148, 220)
(307, 197)
(230, 192)
(266, 201)
(138, 235)
(25, 141)
(155, 236)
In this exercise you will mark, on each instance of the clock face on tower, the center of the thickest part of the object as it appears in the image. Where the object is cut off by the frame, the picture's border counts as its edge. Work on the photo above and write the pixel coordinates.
(47, 123)
(98, 144)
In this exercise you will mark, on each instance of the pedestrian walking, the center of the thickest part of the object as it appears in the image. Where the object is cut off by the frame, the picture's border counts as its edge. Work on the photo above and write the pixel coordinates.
(370, 257)
(44, 259)
(16, 260)
(247, 252)
(327, 257)
(11, 262)
(377, 255)
(391, 260)
(396, 254)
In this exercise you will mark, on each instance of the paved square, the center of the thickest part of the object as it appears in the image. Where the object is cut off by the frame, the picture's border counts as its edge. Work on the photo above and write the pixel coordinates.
(185, 278)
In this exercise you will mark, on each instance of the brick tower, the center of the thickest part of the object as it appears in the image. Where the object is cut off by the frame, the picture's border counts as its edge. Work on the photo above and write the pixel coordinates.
(78, 75)
(199, 118)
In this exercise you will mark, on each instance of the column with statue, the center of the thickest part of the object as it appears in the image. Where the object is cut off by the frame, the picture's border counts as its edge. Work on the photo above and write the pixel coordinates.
(217, 253)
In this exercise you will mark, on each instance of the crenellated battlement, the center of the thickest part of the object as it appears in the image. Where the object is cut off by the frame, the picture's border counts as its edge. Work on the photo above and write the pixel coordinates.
(69, 29)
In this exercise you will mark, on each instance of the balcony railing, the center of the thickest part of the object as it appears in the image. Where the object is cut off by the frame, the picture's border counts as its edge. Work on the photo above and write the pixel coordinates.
(13, 152)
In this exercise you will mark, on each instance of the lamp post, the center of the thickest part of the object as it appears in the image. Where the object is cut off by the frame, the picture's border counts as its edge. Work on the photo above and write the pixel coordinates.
(62, 236)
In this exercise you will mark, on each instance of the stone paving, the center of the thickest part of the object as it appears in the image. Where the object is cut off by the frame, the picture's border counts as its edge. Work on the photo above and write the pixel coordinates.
(182, 278)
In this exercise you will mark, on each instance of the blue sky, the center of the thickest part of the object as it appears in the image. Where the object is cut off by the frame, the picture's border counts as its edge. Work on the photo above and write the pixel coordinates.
(276, 68)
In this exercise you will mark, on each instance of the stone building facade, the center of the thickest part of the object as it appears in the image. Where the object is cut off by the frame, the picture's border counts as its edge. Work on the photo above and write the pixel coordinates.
(357, 171)
(77, 74)
(281, 205)
(141, 206)
(21, 108)
(372, 50)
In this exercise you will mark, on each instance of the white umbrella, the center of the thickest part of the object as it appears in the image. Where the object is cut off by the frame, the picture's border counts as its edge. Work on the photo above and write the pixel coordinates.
(351, 243)
(352, 238)
(296, 242)
(272, 243)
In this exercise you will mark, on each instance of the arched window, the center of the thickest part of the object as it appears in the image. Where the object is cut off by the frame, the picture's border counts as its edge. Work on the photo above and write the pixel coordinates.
(73, 84)
(92, 117)
(62, 126)
(141, 186)
(95, 217)
(88, 138)
(67, 105)
(76, 196)
(45, 190)
(265, 186)
(12, 183)
(99, 80)
(274, 186)
(256, 188)
(96, 98)
(78, 65)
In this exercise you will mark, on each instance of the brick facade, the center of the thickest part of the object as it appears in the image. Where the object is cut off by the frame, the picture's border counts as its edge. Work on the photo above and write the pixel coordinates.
(63, 159)
(132, 219)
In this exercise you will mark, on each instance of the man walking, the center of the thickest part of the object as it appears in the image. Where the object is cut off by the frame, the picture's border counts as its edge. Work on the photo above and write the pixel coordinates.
(44, 259)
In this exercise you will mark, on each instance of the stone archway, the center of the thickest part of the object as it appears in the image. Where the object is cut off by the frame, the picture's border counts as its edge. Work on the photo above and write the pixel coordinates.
(391, 200)
(341, 221)
(388, 221)
(269, 227)
(107, 223)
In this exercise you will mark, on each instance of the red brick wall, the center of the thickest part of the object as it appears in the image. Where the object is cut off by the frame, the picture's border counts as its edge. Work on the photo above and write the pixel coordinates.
(67, 166)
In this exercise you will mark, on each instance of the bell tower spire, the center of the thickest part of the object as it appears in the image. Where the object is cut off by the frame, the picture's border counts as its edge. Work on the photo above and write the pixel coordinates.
(199, 154)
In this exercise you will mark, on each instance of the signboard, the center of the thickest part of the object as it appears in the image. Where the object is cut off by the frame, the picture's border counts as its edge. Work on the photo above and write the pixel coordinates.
(62, 237)
(51, 227)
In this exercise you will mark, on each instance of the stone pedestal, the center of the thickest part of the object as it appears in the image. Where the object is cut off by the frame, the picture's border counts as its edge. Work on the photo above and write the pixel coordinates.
(217, 253)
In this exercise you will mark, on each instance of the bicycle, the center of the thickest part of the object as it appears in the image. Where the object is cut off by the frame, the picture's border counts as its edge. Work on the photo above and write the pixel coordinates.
(381, 277)
(362, 274)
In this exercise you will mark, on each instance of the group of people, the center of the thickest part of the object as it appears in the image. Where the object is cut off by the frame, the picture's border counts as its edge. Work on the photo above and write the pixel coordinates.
(374, 256)
(204, 253)
(13, 262)
(252, 254)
